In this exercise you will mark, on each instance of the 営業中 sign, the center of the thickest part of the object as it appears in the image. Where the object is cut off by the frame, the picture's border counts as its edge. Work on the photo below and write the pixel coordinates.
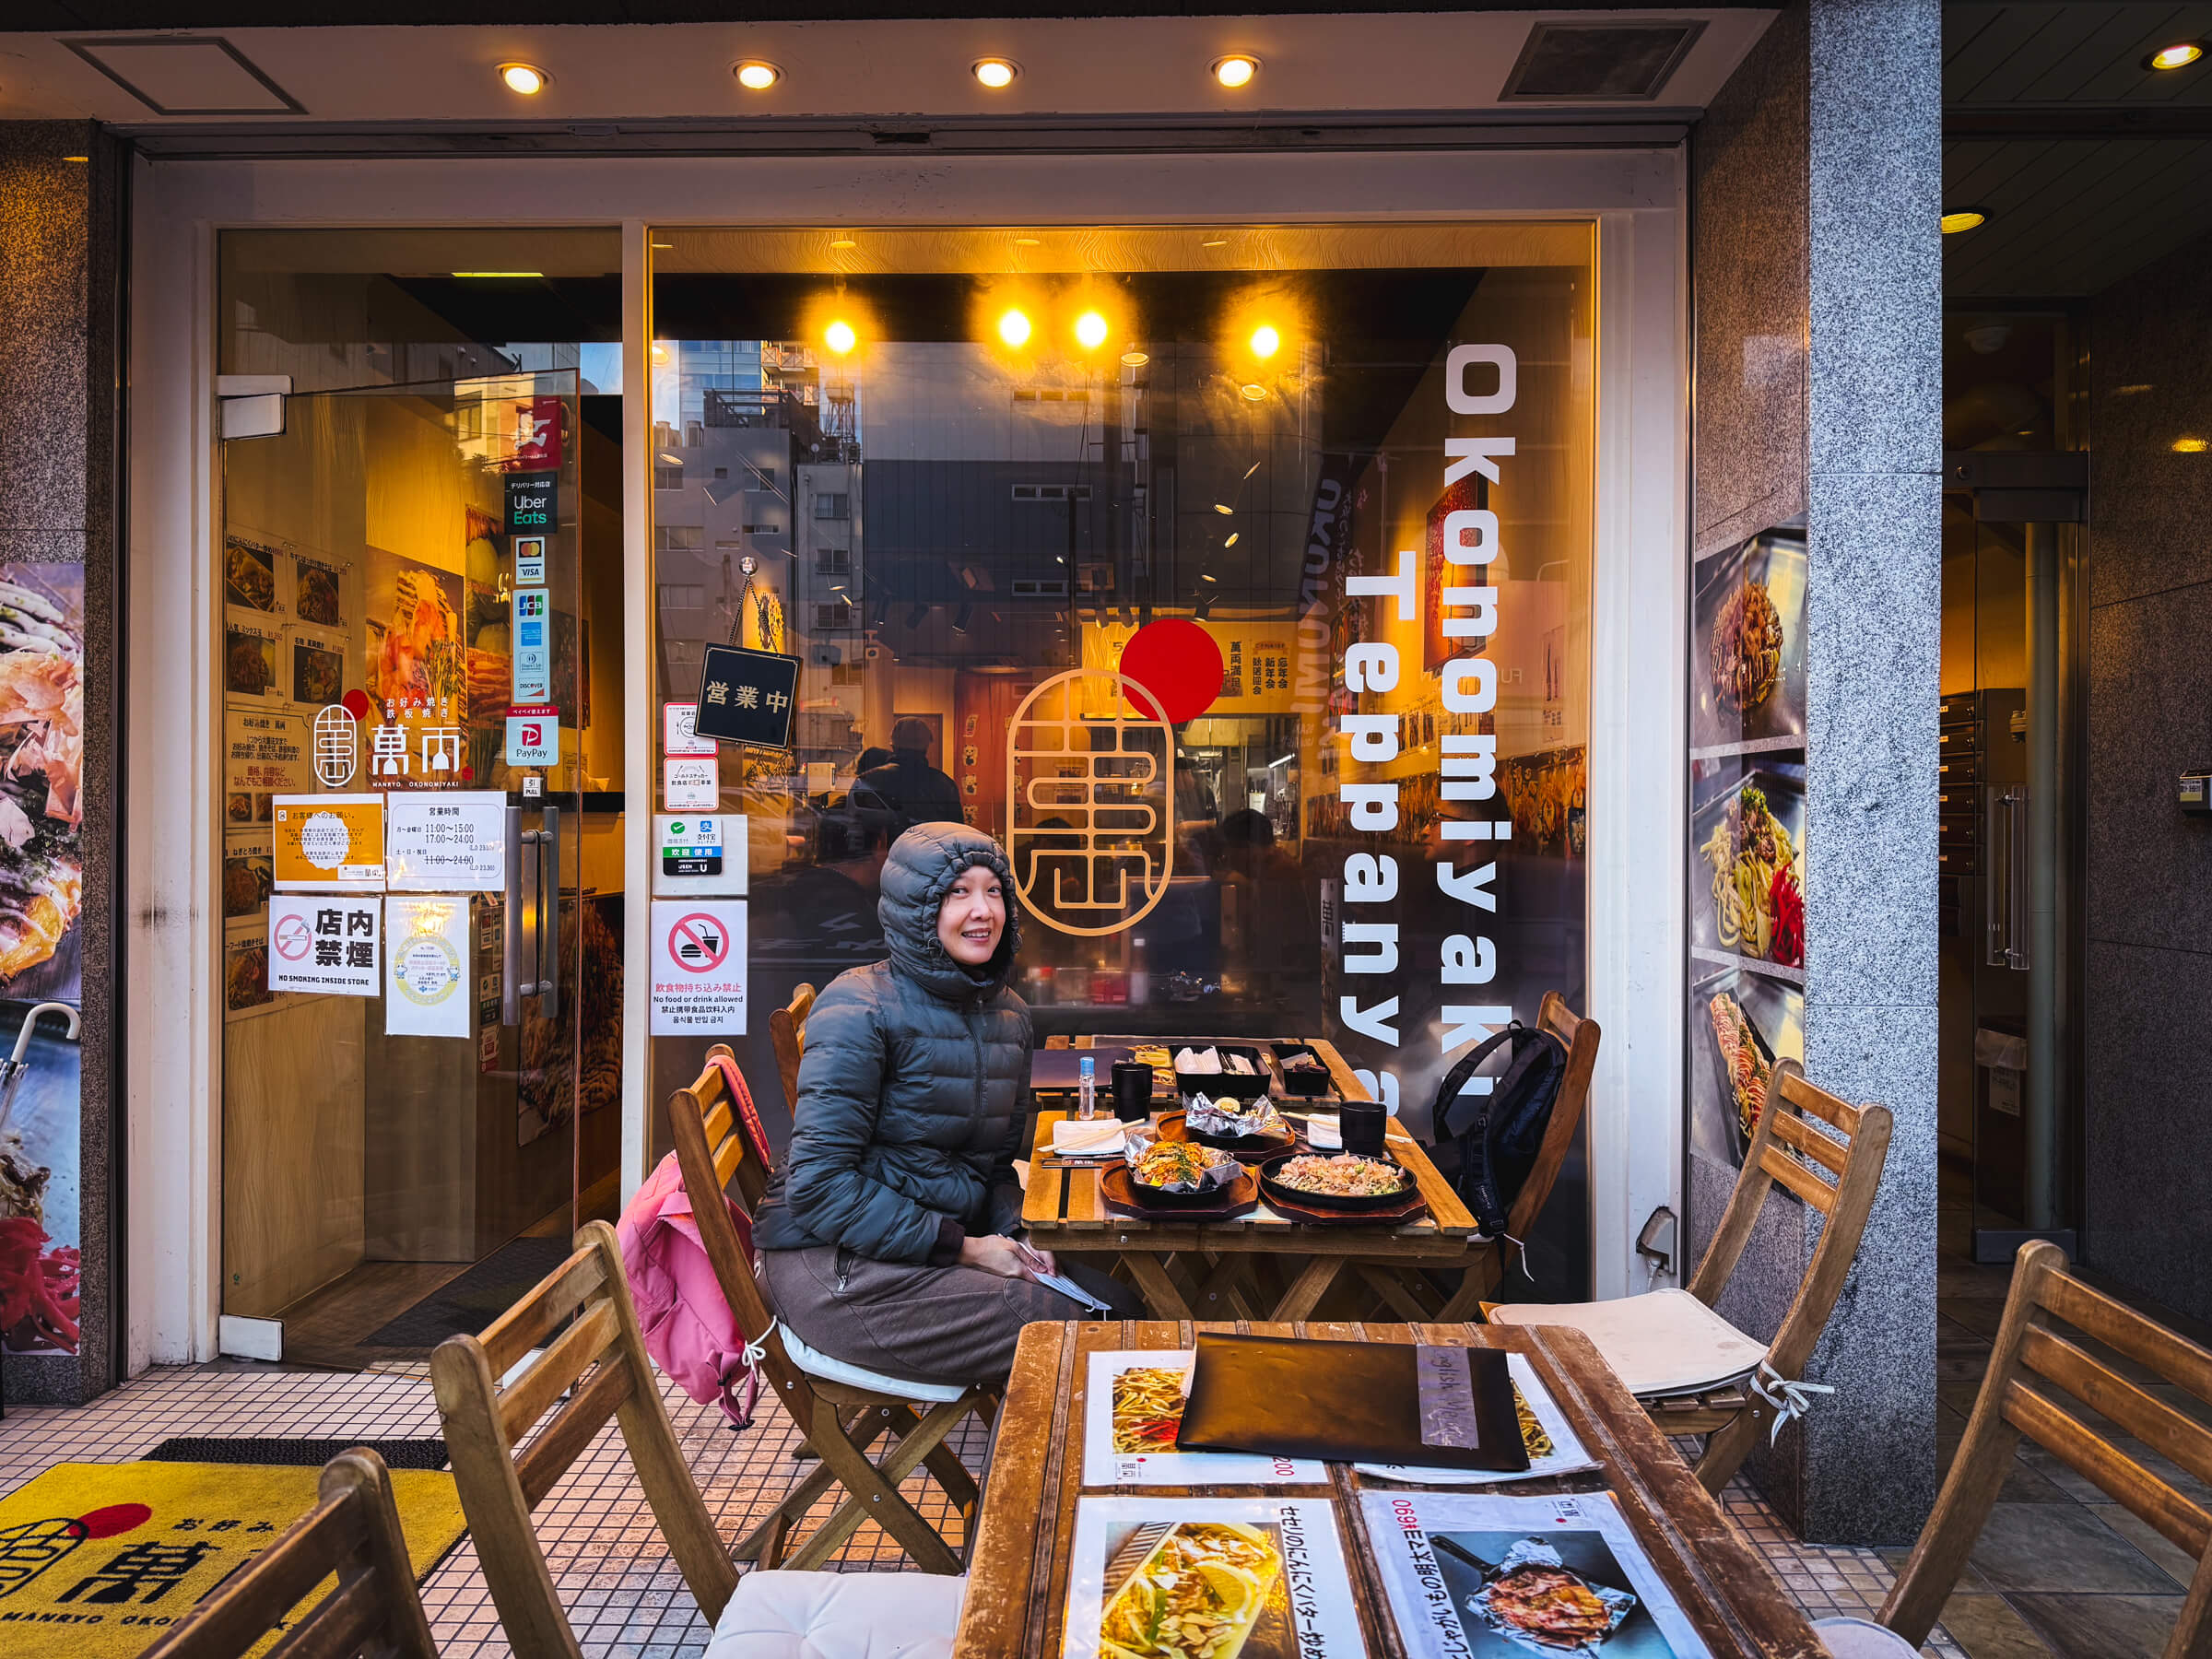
(450, 843)
(426, 967)
(533, 507)
(748, 697)
(698, 967)
(324, 944)
(329, 841)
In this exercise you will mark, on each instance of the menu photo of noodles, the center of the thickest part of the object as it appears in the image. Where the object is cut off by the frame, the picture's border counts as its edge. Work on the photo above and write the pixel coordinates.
(1748, 645)
(1488, 1576)
(1132, 1409)
(1210, 1578)
(1747, 863)
(1742, 1025)
(1553, 1448)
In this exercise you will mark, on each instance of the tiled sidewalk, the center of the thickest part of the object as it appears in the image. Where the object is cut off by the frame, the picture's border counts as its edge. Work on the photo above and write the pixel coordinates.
(624, 1594)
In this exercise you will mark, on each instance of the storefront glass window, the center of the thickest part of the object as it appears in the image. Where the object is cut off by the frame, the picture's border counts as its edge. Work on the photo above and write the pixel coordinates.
(1239, 580)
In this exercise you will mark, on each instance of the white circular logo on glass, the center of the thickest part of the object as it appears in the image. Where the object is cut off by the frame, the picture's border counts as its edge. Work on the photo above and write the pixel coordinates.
(337, 746)
(324, 841)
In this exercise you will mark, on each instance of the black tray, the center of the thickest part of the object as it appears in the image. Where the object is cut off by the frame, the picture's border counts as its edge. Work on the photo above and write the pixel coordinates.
(1326, 1200)
(1303, 1084)
(1224, 1083)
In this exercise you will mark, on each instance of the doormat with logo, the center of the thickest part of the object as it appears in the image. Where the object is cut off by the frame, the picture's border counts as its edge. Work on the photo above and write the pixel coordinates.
(98, 1560)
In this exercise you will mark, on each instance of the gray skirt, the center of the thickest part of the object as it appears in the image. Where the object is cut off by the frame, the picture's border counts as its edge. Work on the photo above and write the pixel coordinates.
(933, 1324)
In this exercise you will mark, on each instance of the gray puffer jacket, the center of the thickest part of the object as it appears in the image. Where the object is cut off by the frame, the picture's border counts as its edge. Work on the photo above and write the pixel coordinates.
(914, 1086)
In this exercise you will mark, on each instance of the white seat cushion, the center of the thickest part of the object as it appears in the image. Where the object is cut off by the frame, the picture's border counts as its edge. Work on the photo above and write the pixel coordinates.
(1667, 1342)
(779, 1615)
(1862, 1639)
(817, 1364)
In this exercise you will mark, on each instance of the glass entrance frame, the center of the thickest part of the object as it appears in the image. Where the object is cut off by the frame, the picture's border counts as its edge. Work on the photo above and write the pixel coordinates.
(1638, 370)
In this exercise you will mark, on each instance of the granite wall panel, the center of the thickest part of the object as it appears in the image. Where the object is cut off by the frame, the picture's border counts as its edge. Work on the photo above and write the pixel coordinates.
(60, 289)
(1816, 185)
(2147, 1131)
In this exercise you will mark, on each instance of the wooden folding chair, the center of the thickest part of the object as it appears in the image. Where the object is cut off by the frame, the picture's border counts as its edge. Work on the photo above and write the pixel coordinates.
(2037, 1380)
(601, 1357)
(787, 1030)
(1836, 1174)
(840, 1409)
(354, 1532)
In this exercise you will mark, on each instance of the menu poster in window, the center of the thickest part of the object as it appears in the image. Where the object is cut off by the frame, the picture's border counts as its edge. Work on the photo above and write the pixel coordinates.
(249, 873)
(329, 842)
(252, 654)
(320, 597)
(1264, 1578)
(253, 574)
(450, 843)
(1131, 1413)
(1742, 1025)
(264, 753)
(246, 970)
(1487, 1576)
(314, 666)
(1747, 646)
(426, 980)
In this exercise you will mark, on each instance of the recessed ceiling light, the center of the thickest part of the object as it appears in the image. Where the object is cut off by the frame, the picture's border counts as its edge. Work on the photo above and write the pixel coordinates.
(1136, 359)
(1225, 510)
(842, 242)
(1028, 242)
(526, 78)
(1236, 70)
(77, 158)
(995, 73)
(2190, 446)
(757, 77)
(1232, 539)
(2179, 55)
(1254, 394)
(482, 275)
(1216, 242)
(1963, 218)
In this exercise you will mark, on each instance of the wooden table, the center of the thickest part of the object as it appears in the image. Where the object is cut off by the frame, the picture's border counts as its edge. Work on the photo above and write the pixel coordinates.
(1019, 1570)
(1205, 1269)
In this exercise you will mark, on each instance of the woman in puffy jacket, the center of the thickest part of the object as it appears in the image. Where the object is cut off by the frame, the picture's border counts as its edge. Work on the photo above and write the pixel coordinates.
(884, 1235)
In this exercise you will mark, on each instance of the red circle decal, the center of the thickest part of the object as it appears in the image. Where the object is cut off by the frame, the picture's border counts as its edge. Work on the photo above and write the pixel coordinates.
(1178, 663)
(355, 703)
(116, 1518)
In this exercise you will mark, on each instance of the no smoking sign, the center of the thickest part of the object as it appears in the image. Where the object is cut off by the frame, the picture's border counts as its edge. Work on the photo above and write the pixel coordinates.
(699, 973)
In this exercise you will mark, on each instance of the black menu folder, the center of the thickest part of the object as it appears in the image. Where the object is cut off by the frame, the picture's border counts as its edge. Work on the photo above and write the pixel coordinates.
(1353, 1402)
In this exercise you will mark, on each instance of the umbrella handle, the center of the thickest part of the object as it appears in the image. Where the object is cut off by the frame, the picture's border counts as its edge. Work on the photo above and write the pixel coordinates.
(32, 1020)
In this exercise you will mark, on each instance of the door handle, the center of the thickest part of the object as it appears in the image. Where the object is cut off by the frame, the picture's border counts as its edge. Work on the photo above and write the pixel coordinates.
(511, 932)
(548, 914)
(2019, 877)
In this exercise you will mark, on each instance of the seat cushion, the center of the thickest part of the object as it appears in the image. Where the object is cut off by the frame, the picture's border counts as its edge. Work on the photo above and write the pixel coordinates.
(779, 1615)
(1665, 1343)
(818, 1364)
(1861, 1639)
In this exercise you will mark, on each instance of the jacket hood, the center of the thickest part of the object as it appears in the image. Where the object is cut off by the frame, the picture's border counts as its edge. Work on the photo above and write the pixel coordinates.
(920, 870)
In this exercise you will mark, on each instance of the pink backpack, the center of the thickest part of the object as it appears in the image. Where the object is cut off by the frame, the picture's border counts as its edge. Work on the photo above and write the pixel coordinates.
(688, 1328)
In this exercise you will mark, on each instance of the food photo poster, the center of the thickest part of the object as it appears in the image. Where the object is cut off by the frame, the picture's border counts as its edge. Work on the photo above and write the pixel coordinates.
(41, 872)
(1746, 841)
(1485, 1576)
(1131, 1412)
(1193, 1578)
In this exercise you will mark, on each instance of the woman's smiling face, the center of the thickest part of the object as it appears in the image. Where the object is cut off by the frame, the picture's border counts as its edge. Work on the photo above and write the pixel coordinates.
(973, 917)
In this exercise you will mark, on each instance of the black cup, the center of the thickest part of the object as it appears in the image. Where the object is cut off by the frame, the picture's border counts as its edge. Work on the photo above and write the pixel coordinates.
(1132, 1090)
(1362, 1123)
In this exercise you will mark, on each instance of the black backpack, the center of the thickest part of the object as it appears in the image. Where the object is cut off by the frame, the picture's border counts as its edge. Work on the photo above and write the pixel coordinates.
(1499, 1145)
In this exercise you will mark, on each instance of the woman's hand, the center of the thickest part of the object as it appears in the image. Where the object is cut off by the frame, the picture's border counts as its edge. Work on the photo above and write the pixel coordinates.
(992, 1254)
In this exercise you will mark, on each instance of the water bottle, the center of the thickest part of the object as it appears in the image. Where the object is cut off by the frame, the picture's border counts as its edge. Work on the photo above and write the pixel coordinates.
(1086, 1088)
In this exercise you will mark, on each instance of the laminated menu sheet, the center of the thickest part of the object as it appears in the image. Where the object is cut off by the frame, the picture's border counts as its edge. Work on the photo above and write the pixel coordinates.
(1162, 1577)
(1132, 1408)
(1552, 1446)
(1484, 1575)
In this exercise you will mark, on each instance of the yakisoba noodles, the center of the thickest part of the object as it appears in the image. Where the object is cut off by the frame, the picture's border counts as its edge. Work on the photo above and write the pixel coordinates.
(1747, 848)
(1147, 1408)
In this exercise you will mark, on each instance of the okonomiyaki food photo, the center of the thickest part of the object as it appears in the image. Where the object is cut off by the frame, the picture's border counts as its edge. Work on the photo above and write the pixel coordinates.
(41, 763)
(1533, 1599)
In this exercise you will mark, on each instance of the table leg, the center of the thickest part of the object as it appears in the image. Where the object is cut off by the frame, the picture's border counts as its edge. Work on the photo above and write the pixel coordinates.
(1222, 1294)
(1476, 1285)
(1160, 1294)
(1307, 1290)
(1402, 1291)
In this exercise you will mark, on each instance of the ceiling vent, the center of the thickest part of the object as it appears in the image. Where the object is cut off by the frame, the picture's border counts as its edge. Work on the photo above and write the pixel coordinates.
(187, 75)
(1600, 62)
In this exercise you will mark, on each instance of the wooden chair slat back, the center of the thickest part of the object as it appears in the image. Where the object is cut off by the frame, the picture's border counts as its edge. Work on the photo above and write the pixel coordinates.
(604, 1355)
(2034, 1371)
(1581, 1036)
(787, 1031)
(354, 1532)
(701, 1160)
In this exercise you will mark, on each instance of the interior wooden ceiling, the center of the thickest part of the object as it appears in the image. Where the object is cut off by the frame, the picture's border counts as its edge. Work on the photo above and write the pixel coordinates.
(2089, 165)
